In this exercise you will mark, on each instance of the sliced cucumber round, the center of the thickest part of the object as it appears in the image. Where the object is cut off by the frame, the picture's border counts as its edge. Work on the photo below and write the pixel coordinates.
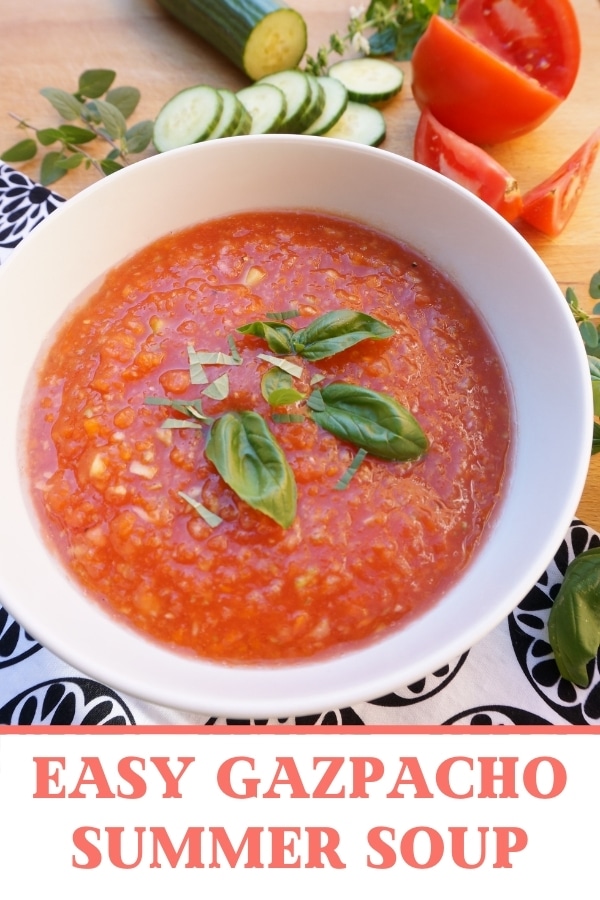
(232, 112)
(188, 117)
(298, 96)
(336, 101)
(266, 105)
(368, 80)
(245, 123)
(317, 102)
(359, 123)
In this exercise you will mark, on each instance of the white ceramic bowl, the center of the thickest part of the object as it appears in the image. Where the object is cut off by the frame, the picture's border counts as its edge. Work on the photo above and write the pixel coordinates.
(517, 298)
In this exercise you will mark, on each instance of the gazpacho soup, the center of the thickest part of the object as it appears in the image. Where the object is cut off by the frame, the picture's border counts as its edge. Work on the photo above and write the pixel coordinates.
(269, 437)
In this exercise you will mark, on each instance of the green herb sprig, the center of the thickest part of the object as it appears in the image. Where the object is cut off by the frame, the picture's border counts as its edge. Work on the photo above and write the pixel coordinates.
(242, 447)
(574, 622)
(101, 112)
(589, 328)
(385, 28)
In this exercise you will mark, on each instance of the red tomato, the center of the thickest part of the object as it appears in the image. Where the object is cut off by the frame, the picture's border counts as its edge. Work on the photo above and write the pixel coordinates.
(499, 68)
(441, 149)
(550, 205)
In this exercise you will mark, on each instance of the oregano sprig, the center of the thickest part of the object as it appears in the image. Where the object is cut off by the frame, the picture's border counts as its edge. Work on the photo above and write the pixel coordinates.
(589, 329)
(102, 112)
(574, 621)
(384, 28)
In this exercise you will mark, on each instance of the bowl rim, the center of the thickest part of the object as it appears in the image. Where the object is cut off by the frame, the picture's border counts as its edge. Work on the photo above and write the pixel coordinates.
(321, 695)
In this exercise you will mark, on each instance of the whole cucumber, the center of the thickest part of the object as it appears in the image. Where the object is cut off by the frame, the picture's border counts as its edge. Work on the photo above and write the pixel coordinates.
(258, 36)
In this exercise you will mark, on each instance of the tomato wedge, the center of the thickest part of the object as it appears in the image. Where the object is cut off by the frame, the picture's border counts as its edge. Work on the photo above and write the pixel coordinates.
(498, 68)
(550, 205)
(467, 164)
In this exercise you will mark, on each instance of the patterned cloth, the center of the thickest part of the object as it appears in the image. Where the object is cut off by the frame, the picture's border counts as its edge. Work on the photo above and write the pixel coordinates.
(509, 678)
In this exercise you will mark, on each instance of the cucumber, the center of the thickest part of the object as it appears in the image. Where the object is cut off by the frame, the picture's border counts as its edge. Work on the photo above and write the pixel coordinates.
(245, 123)
(266, 105)
(317, 102)
(188, 117)
(336, 101)
(231, 115)
(296, 88)
(368, 80)
(257, 36)
(359, 123)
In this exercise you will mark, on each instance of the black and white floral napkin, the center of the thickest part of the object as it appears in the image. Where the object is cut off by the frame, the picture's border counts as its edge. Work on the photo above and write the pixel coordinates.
(509, 678)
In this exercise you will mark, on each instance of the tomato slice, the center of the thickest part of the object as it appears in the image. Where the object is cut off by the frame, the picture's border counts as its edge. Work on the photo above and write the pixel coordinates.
(499, 68)
(550, 205)
(445, 151)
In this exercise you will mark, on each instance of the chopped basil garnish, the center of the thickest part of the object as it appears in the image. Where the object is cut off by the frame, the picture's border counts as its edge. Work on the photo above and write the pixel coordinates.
(350, 471)
(285, 364)
(218, 389)
(180, 423)
(185, 407)
(277, 388)
(209, 517)
(240, 444)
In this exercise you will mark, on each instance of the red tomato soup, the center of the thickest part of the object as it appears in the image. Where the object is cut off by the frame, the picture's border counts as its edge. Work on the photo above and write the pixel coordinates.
(107, 477)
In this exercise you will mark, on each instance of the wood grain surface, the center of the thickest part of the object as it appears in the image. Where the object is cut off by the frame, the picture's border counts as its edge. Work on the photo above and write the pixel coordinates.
(50, 44)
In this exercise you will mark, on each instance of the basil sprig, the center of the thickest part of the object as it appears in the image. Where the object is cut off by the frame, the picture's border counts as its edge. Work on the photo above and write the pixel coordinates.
(278, 335)
(251, 462)
(325, 336)
(368, 419)
(574, 623)
(240, 444)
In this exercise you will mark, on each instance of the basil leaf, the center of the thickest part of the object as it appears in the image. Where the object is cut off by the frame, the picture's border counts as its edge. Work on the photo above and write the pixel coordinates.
(251, 462)
(336, 331)
(278, 335)
(277, 388)
(368, 419)
(574, 623)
